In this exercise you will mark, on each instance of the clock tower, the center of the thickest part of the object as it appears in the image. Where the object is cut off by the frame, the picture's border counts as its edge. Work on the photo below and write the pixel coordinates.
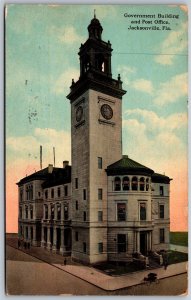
(96, 129)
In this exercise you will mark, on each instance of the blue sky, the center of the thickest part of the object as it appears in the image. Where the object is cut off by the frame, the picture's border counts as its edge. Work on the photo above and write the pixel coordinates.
(42, 42)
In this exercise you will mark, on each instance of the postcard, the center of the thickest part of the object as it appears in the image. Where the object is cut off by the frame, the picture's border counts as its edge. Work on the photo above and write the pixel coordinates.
(96, 149)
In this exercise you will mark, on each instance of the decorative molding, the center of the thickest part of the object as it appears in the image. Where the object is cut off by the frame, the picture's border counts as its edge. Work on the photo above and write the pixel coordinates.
(105, 122)
(82, 100)
(105, 100)
(80, 124)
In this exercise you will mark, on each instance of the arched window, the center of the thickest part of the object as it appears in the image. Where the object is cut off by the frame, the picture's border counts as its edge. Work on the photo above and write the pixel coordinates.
(26, 212)
(134, 183)
(100, 62)
(126, 183)
(31, 212)
(58, 212)
(46, 211)
(142, 184)
(52, 211)
(117, 183)
(147, 184)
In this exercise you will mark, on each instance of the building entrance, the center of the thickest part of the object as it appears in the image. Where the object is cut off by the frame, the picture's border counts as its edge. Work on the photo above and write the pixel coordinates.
(143, 243)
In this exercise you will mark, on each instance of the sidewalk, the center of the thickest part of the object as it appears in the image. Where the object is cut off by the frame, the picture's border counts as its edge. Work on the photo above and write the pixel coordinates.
(96, 277)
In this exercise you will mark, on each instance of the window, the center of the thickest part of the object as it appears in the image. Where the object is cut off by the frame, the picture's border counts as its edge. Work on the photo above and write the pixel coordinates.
(84, 247)
(84, 215)
(52, 193)
(121, 243)
(100, 216)
(161, 235)
(27, 233)
(46, 194)
(21, 195)
(100, 194)
(58, 191)
(52, 212)
(147, 184)
(161, 211)
(100, 247)
(26, 212)
(31, 212)
(20, 212)
(134, 184)
(76, 205)
(99, 162)
(76, 183)
(31, 233)
(46, 211)
(142, 184)
(66, 190)
(121, 211)
(117, 184)
(161, 191)
(58, 212)
(84, 194)
(66, 215)
(76, 236)
(143, 214)
(126, 183)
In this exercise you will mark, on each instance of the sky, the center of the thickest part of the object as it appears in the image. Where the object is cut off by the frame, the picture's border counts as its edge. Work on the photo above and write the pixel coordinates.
(42, 42)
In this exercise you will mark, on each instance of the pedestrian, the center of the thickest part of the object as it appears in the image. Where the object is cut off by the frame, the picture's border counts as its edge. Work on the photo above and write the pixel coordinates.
(165, 260)
(28, 245)
(25, 245)
(65, 261)
(19, 243)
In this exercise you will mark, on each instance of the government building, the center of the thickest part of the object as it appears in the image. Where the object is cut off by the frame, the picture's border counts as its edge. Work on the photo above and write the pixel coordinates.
(105, 206)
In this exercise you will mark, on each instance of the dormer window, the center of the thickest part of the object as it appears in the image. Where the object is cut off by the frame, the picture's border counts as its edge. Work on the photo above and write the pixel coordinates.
(117, 184)
(142, 184)
(126, 183)
(134, 183)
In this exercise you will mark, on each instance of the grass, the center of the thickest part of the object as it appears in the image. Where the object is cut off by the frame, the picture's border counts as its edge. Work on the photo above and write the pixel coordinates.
(111, 268)
(175, 257)
(179, 238)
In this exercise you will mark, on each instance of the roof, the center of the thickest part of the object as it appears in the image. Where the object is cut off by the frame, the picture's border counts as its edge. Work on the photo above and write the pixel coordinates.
(58, 176)
(159, 178)
(128, 166)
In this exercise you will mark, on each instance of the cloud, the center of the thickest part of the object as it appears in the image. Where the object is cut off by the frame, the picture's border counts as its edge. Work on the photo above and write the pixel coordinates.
(62, 84)
(67, 35)
(172, 90)
(27, 147)
(175, 43)
(126, 72)
(157, 137)
(143, 85)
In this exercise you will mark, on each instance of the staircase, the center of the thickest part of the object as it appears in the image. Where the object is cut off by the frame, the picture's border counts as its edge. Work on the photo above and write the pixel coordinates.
(153, 264)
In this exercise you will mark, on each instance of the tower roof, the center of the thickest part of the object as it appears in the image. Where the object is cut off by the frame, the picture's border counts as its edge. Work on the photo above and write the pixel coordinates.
(95, 29)
(128, 166)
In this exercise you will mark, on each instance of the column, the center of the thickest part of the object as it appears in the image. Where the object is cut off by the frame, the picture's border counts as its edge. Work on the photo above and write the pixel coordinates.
(42, 237)
(48, 239)
(34, 236)
(130, 183)
(62, 246)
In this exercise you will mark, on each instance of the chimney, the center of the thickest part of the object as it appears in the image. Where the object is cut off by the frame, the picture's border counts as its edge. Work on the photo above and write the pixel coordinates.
(65, 163)
(50, 168)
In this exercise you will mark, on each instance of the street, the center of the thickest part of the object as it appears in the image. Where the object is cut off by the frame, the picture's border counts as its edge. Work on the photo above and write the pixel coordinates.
(27, 275)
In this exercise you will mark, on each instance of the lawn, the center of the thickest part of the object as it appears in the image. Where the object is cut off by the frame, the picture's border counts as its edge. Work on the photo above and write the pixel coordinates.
(179, 238)
(175, 257)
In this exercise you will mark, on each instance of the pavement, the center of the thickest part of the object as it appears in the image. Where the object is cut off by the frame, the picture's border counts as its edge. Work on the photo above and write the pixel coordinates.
(96, 277)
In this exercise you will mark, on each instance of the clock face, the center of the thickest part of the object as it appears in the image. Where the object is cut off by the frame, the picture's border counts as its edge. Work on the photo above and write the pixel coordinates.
(79, 113)
(106, 111)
